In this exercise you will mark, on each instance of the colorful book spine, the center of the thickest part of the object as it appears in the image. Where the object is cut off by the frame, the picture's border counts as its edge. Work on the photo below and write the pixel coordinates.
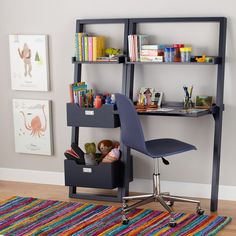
(136, 47)
(86, 48)
(80, 35)
(142, 40)
(83, 48)
(131, 47)
(94, 48)
(98, 47)
(77, 51)
(90, 48)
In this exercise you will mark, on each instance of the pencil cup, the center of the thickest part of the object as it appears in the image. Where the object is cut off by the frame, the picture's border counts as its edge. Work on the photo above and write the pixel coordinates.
(188, 104)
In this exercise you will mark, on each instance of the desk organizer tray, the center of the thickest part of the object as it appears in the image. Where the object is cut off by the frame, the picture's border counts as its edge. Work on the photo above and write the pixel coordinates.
(103, 117)
(104, 175)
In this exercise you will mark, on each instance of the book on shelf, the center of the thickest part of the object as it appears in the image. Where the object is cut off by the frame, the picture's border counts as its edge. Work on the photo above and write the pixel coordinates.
(135, 43)
(78, 45)
(149, 52)
(88, 47)
(151, 58)
(98, 47)
(150, 47)
(116, 58)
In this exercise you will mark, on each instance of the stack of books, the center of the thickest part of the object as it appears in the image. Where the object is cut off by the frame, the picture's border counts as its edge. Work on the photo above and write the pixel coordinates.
(152, 53)
(81, 95)
(89, 48)
(135, 43)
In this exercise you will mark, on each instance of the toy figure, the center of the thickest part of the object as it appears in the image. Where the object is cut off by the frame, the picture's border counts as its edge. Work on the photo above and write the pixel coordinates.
(201, 59)
(111, 52)
(25, 55)
(113, 99)
(105, 146)
(108, 99)
(112, 156)
(148, 96)
(90, 155)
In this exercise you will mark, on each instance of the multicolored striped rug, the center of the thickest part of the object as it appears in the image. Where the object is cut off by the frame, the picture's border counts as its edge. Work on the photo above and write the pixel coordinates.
(31, 216)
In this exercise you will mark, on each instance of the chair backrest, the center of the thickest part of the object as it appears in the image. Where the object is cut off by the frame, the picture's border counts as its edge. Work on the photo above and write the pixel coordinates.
(131, 129)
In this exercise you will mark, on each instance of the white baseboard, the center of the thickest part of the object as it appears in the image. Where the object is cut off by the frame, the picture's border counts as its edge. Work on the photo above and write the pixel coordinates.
(32, 176)
(138, 185)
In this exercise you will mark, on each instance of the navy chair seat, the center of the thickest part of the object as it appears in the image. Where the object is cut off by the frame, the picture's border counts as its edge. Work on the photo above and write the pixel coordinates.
(158, 148)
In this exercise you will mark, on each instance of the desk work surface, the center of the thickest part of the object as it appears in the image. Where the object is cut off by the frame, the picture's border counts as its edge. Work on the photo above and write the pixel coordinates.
(175, 111)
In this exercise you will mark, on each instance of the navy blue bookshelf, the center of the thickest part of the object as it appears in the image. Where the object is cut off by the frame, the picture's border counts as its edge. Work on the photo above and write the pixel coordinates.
(216, 111)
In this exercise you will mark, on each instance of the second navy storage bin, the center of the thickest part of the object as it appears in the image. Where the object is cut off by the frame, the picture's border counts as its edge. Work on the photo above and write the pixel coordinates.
(104, 117)
(104, 175)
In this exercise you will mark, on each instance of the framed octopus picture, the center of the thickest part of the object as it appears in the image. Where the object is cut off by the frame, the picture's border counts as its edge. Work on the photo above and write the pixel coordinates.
(32, 126)
(29, 62)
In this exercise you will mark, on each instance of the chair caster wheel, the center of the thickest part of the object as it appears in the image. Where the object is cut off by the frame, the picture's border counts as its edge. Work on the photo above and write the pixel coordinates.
(172, 224)
(200, 211)
(170, 203)
(125, 220)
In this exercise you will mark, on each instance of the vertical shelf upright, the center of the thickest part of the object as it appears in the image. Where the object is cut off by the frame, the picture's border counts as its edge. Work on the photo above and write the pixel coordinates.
(218, 108)
(122, 189)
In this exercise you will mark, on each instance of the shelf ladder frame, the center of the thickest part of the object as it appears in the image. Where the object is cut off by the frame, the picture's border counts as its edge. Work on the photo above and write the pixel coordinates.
(126, 158)
(218, 114)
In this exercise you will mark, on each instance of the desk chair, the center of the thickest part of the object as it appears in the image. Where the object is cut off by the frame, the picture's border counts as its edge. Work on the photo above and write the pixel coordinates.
(132, 136)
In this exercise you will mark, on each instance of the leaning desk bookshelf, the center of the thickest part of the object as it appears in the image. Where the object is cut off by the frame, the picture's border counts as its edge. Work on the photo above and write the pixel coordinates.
(128, 85)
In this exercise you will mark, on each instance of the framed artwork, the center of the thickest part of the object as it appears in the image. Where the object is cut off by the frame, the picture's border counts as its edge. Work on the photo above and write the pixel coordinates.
(203, 101)
(32, 126)
(29, 62)
(146, 96)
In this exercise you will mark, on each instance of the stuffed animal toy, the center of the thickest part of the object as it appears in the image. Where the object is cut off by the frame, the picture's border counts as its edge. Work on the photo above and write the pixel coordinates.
(105, 146)
(90, 155)
(112, 156)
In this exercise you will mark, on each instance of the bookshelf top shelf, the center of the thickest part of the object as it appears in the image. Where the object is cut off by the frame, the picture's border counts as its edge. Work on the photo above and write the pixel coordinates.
(174, 63)
(123, 59)
(119, 61)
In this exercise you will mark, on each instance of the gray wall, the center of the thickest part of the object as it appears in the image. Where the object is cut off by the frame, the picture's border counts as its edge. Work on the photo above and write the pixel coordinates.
(56, 18)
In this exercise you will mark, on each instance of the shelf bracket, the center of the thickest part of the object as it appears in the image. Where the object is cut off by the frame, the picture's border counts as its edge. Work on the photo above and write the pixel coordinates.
(215, 110)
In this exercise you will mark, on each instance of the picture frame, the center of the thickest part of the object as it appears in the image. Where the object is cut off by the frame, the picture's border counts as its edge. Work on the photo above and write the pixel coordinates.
(203, 102)
(32, 126)
(148, 96)
(158, 98)
(29, 62)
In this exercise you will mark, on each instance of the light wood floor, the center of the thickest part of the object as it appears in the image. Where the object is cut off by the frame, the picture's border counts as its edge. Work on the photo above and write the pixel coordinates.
(9, 189)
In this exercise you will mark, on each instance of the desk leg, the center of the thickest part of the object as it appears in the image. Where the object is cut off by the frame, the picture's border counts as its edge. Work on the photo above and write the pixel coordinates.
(216, 161)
